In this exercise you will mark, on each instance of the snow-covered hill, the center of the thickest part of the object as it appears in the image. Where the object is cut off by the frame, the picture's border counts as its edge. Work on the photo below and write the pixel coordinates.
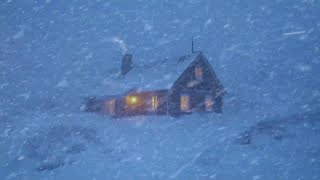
(68, 145)
(54, 53)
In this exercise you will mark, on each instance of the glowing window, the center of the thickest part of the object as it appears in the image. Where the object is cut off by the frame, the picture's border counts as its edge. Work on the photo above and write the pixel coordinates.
(185, 103)
(198, 73)
(154, 103)
(131, 100)
(208, 103)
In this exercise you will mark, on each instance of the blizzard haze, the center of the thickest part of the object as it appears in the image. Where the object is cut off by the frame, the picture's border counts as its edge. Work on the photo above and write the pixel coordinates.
(53, 53)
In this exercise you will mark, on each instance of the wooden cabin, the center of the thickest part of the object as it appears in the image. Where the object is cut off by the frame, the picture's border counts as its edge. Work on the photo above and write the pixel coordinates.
(168, 87)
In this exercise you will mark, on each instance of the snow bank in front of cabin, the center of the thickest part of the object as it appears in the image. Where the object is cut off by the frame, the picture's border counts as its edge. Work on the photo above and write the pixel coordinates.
(199, 146)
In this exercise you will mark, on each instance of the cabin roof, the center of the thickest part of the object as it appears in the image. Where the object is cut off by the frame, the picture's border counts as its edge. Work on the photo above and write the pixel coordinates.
(152, 76)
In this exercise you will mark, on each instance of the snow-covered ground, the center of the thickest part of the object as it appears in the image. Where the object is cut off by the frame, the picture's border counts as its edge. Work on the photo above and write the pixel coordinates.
(69, 145)
(54, 53)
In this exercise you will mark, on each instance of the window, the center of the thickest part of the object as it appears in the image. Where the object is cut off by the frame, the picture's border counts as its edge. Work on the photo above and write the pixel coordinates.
(198, 73)
(132, 100)
(154, 103)
(185, 103)
(112, 106)
(208, 103)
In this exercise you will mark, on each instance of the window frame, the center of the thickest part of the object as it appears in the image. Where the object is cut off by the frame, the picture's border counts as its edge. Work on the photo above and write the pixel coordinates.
(198, 73)
(185, 103)
(154, 103)
(209, 103)
(110, 107)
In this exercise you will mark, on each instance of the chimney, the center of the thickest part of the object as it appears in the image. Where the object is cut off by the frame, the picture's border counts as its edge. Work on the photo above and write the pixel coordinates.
(126, 64)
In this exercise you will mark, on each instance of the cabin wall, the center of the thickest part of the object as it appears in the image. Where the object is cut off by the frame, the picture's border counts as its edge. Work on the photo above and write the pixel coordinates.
(218, 105)
(197, 102)
(188, 80)
(195, 88)
(143, 106)
(174, 104)
(92, 104)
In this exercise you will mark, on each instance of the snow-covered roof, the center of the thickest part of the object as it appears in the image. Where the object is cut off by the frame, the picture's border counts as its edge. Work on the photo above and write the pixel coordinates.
(153, 76)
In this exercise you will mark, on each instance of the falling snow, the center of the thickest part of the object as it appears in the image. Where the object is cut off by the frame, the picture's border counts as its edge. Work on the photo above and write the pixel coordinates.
(55, 54)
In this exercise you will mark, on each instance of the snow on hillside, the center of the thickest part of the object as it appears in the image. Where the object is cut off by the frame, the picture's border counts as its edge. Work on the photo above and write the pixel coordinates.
(88, 146)
(54, 53)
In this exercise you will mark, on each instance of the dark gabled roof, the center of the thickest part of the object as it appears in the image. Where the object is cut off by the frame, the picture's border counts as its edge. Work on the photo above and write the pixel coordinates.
(220, 89)
(154, 76)
(201, 57)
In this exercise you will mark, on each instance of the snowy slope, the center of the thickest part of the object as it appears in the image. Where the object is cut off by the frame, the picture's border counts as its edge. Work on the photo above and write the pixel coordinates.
(53, 53)
(85, 146)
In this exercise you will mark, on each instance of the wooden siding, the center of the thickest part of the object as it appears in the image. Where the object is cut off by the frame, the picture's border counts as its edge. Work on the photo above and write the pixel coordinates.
(197, 88)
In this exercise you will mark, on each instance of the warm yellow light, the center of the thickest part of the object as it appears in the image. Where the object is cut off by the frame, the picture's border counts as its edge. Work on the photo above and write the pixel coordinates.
(133, 99)
(154, 103)
(184, 103)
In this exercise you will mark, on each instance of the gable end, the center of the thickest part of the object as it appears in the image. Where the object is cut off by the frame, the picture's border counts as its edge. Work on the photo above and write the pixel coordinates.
(188, 80)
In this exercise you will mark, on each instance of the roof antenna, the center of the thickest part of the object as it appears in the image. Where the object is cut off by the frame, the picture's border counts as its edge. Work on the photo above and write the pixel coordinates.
(192, 50)
(192, 44)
